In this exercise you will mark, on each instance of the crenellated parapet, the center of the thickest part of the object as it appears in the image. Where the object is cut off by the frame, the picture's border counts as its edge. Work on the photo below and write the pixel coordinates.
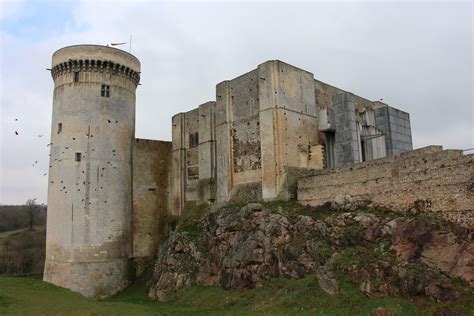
(93, 65)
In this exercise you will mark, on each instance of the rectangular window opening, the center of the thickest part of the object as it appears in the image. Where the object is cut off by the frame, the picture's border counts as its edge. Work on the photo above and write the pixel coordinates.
(193, 140)
(151, 189)
(76, 76)
(78, 157)
(105, 90)
(60, 127)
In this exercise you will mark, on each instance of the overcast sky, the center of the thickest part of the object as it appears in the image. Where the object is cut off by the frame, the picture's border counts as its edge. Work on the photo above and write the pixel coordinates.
(416, 56)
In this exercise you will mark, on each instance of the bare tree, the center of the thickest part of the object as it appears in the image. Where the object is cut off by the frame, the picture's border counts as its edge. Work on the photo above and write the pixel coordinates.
(32, 208)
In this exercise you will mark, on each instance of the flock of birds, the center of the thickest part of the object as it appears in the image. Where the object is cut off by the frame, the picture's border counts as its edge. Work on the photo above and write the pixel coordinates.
(39, 136)
(109, 164)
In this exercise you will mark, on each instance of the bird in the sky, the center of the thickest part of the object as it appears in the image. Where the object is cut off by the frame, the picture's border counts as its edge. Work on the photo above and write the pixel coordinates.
(44, 174)
(381, 99)
(16, 133)
(40, 135)
(16, 119)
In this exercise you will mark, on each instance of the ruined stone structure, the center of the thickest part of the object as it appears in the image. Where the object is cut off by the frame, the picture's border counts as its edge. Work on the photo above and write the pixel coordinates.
(269, 125)
(428, 180)
(109, 192)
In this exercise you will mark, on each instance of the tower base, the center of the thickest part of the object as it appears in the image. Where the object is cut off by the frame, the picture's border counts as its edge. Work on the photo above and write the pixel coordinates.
(96, 280)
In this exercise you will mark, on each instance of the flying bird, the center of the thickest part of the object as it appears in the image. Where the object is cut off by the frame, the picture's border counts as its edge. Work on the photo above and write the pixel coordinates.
(40, 135)
(116, 44)
(16, 133)
(16, 119)
(381, 99)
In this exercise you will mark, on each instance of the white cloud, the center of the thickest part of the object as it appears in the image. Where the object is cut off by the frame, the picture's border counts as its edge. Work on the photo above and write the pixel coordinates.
(11, 9)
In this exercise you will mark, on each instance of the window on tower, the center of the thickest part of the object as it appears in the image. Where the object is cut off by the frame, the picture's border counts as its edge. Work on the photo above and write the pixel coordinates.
(76, 76)
(60, 127)
(193, 140)
(78, 157)
(105, 90)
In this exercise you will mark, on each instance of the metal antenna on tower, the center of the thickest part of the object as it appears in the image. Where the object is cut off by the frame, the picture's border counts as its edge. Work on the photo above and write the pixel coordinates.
(130, 49)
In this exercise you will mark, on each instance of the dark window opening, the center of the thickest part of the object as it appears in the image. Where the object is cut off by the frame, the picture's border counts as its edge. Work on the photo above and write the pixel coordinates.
(362, 149)
(60, 127)
(105, 90)
(193, 140)
(76, 76)
(329, 150)
(78, 156)
(151, 189)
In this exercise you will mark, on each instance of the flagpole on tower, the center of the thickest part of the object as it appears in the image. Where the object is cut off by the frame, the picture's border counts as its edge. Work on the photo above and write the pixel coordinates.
(130, 50)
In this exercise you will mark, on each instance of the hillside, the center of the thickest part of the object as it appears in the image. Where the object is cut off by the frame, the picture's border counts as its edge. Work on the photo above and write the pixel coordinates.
(380, 253)
(22, 248)
(282, 258)
(22, 251)
(13, 217)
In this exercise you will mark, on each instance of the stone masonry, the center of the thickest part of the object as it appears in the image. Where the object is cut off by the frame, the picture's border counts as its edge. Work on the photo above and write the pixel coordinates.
(109, 193)
(429, 180)
(271, 120)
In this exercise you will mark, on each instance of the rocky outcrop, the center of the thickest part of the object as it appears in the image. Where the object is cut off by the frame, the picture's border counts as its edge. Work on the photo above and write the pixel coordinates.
(383, 253)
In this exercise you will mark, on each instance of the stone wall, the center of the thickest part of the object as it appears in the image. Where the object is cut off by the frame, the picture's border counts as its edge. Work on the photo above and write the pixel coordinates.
(193, 162)
(288, 124)
(347, 134)
(150, 165)
(395, 124)
(88, 243)
(431, 180)
(263, 124)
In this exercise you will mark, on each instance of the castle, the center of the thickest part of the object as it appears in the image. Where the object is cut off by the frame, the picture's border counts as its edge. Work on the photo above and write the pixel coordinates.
(108, 191)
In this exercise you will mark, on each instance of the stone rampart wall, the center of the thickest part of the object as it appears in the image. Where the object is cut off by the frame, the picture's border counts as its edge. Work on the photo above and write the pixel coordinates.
(430, 180)
(151, 160)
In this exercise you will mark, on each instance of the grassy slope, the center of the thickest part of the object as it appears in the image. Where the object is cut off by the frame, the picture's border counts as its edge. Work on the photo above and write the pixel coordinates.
(24, 238)
(31, 296)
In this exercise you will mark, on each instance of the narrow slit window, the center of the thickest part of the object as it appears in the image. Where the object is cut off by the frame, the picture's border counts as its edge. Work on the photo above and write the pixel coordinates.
(76, 76)
(151, 189)
(78, 157)
(105, 90)
(60, 127)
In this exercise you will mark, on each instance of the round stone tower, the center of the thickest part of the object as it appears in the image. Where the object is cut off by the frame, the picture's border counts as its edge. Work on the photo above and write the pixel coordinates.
(88, 243)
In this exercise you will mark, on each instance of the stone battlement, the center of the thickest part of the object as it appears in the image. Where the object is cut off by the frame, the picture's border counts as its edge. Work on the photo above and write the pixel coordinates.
(95, 58)
(106, 66)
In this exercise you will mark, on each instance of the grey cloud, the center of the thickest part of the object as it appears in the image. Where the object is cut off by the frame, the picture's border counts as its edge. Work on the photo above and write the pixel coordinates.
(416, 56)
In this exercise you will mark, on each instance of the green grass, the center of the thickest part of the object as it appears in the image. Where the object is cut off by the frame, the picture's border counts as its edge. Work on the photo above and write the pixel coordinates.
(31, 296)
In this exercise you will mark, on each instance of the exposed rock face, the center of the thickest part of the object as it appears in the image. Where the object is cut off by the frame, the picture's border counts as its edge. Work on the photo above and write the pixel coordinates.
(383, 253)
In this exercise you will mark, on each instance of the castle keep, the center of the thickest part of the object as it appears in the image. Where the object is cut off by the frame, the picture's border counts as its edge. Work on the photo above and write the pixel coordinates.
(268, 126)
(109, 191)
